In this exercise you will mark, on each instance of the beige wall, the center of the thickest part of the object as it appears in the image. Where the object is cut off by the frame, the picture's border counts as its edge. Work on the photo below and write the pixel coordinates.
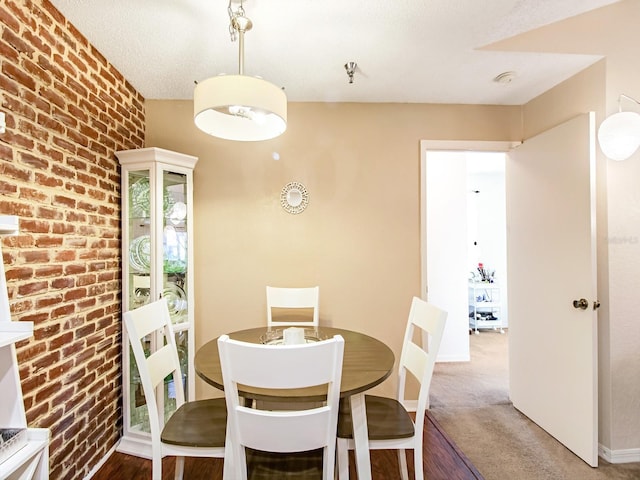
(359, 237)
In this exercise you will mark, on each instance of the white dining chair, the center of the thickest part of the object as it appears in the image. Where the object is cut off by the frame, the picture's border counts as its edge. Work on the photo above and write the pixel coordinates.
(390, 427)
(292, 302)
(282, 367)
(196, 428)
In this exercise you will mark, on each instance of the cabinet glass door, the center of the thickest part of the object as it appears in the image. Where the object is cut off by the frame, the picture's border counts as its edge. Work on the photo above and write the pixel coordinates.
(138, 264)
(156, 263)
(174, 272)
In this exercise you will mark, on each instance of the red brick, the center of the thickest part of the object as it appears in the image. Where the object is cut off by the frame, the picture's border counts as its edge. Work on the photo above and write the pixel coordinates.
(18, 273)
(47, 331)
(60, 341)
(50, 419)
(21, 45)
(19, 107)
(7, 85)
(16, 138)
(64, 37)
(62, 311)
(44, 61)
(36, 101)
(32, 288)
(36, 71)
(36, 196)
(85, 280)
(6, 153)
(62, 283)
(35, 317)
(67, 93)
(9, 20)
(64, 201)
(50, 214)
(75, 294)
(82, 68)
(45, 362)
(51, 154)
(62, 171)
(34, 226)
(66, 119)
(64, 144)
(75, 241)
(76, 188)
(47, 181)
(34, 131)
(87, 179)
(64, 255)
(49, 270)
(7, 188)
(46, 302)
(18, 307)
(15, 208)
(8, 53)
(33, 382)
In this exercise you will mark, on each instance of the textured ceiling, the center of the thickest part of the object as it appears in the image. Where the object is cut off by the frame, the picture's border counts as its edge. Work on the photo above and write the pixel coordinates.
(415, 51)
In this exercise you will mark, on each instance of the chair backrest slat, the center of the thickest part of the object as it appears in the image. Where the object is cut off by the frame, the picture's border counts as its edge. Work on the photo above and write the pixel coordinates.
(281, 367)
(293, 299)
(256, 429)
(160, 364)
(429, 321)
(152, 323)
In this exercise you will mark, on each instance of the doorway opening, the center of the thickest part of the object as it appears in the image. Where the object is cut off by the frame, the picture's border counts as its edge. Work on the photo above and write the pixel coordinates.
(487, 241)
(464, 241)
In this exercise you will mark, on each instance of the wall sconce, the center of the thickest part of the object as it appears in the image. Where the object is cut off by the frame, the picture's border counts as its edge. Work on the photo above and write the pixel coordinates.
(619, 133)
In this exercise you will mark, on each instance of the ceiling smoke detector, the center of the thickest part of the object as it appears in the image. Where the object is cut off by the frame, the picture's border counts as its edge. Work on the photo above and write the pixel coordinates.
(505, 77)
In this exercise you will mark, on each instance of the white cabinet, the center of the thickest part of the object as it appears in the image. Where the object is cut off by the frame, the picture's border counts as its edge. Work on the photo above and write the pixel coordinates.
(485, 307)
(31, 460)
(157, 261)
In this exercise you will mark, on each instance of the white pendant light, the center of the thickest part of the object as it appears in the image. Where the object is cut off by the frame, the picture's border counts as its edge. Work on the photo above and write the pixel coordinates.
(619, 134)
(240, 107)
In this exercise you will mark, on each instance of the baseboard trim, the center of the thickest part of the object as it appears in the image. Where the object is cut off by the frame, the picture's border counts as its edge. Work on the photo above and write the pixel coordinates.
(619, 456)
(100, 463)
(135, 446)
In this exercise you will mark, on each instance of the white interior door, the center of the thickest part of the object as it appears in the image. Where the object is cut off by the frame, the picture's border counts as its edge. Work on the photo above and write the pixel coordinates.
(550, 193)
(446, 245)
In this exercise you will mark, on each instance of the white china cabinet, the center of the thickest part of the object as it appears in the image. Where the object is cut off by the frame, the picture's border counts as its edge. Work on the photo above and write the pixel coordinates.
(157, 261)
(24, 452)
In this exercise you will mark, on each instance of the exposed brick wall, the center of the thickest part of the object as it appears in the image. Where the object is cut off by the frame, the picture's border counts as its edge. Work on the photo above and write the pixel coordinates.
(68, 110)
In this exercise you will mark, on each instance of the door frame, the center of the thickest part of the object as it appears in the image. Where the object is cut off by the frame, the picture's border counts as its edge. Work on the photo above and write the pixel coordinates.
(445, 146)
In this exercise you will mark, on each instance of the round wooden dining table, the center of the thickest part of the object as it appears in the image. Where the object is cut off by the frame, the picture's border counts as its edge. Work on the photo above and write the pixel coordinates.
(367, 362)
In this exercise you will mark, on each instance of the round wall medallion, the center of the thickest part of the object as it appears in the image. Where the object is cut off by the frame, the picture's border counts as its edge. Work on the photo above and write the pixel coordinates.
(294, 197)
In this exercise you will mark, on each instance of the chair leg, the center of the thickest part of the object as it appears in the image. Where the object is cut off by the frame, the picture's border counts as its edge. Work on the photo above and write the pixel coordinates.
(179, 468)
(402, 463)
(156, 467)
(417, 462)
(343, 458)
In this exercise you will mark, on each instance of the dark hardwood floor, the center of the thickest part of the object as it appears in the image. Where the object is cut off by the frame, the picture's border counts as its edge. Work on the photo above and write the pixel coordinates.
(442, 461)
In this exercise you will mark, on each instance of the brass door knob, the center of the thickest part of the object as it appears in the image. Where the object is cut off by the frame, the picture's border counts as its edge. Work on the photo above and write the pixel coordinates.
(582, 304)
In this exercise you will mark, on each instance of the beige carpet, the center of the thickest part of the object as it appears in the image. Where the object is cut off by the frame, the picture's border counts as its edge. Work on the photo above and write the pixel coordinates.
(471, 402)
